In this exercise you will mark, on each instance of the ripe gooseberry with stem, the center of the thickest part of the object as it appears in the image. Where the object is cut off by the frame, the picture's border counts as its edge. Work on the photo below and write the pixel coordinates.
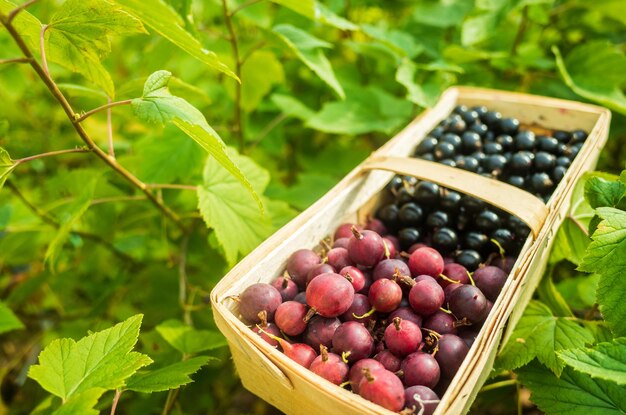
(421, 399)
(384, 295)
(420, 368)
(366, 247)
(256, 298)
(426, 295)
(355, 276)
(289, 318)
(356, 371)
(468, 302)
(330, 366)
(353, 341)
(286, 287)
(390, 361)
(450, 353)
(338, 258)
(320, 330)
(264, 327)
(383, 388)
(402, 337)
(301, 353)
(329, 295)
(426, 261)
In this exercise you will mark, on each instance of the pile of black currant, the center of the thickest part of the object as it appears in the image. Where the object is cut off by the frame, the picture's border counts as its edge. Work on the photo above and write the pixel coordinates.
(484, 142)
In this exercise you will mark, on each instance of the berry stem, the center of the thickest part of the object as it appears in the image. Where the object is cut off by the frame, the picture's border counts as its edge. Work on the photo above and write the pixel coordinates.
(324, 353)
(369, 313)
(355, 231)
(396, 322)
(443, 277)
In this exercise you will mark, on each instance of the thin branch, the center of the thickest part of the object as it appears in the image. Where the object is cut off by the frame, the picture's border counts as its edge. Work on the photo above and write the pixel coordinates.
(268, 128)
(519, 36)
(116, 199)
(497, 385)
(52, 153)
(50, 220)
(182, 279)
(116, 398)
(101, 108)
(110, 129)
(54, 89)
(18, 9)
(238, 121)
(169, 402)
(172, 186)
(42, 46)
(243, 6)
(251, 51)
(14, 60)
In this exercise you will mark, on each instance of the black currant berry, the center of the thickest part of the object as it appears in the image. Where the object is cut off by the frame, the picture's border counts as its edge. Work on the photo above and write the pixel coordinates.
(509, 126)
(544, 161)
(443, 150)
(445, 240)
(469, 258)
(427, 145)
(426, 193)
(525, 141)
(411, 215)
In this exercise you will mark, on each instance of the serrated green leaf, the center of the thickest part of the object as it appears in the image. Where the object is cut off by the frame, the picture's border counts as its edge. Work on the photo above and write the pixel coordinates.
(27, 25)
(188, 340)
(158, 105)
(168, 377)
(164, 20)
(363, 111)
(8, 320)
(79, 36)
(600, 192)
(540, 334)
(308, 49)
(604, 361)
(81, 404)
(605, 256)
(572, 393)
(292, 107)
(75, 211)
(224, 206)
(592, 70)
(102, 360)
(6, 166)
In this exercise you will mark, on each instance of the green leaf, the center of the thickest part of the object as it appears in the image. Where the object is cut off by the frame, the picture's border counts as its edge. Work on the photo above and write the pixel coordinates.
(605, 256)
(81, 404)
(102, 361)
(292, 107)
(164, 20)
(363, 111)
(158, 105)
(402, 43)
(405, 75)
(604, 193)
(550, 296)
(441, 13)
(27, 25)
(224, 206)
(168, 377)
(593, 71)
(540, 334)
(572, 393)
(604, 361)
(188, 340)
(305, 8)
(6, 166)
(324, 15)
(255, 83)
(8, 320)
(308, 50)
(79, 36)
(75, 211)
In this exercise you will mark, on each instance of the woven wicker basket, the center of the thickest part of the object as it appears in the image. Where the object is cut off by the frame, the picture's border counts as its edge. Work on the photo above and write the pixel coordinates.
(269, 374)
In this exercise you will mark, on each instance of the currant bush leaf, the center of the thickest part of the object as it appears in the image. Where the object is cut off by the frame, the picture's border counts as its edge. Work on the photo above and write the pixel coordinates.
(317, 11)
(593, 71)
(291, 107)
(572, 393)
(363, 111)
(158, 105)
(188, 340)
(79, 36)
(8, 320)
(601, 192)
(605, 256)
(160, 17)
(305, 8)
(27, 25)
(604, 361)
(540, 334)
(102, 361)
(168, 377)
(225, 206)
(6, 166)
(309, 50)
(81, 403)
